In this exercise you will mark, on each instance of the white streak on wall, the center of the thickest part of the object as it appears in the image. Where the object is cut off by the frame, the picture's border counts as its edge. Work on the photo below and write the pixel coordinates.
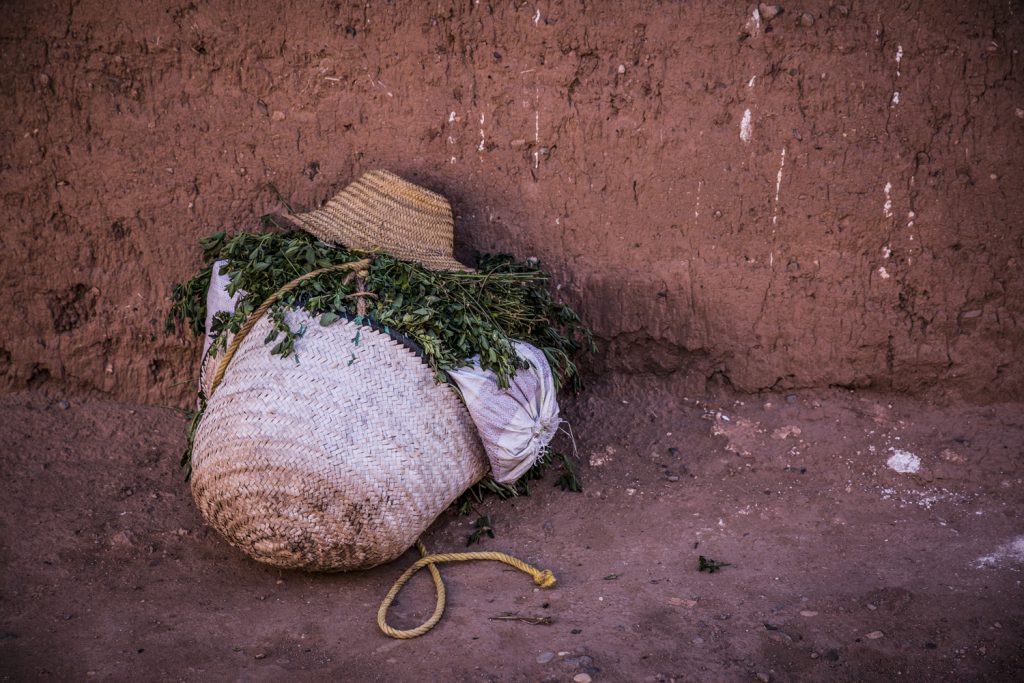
(696, 208)
(887, 207)
(895, 99)
(451, 117)
(754, 23)
(899, 58)
(883, 273)
(745, 126)
(778, 188)
(750, 83)
(536, 17)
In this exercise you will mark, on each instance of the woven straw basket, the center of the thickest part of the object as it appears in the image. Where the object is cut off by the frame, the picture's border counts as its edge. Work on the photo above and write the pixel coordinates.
(336, 462)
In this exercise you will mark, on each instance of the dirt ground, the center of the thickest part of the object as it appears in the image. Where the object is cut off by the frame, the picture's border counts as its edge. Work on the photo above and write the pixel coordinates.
(840, 567)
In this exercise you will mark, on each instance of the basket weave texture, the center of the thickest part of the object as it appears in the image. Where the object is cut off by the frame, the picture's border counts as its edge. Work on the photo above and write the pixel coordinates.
(337, 462)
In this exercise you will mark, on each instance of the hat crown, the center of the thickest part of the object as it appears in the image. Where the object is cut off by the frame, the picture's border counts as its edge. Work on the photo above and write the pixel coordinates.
(383, 212)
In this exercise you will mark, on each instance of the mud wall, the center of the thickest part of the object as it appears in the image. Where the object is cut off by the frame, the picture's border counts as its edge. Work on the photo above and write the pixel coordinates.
(829, 196)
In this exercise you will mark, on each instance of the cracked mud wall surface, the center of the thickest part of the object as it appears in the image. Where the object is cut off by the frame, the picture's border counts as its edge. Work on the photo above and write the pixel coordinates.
(824, 199)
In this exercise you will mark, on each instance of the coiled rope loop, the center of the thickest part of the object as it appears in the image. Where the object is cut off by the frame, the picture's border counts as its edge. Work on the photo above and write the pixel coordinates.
(542, 577)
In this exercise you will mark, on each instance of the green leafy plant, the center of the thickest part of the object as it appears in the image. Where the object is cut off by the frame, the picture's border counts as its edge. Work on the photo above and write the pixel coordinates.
(706, 564)
(453, 317)
(482, 527)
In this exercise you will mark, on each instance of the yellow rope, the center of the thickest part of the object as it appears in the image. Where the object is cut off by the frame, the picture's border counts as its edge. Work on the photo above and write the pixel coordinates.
(542, 577)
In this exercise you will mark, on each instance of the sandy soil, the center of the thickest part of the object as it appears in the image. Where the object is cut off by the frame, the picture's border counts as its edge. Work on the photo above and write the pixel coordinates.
(841, 568)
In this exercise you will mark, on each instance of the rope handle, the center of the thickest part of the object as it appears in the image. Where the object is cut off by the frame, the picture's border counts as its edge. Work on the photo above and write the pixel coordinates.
(542, 577)
(359, 265)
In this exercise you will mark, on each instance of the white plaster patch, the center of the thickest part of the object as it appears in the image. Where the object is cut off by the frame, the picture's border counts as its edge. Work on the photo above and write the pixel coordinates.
(778, 187)
(902, 461)
(1010, 552)
(883, 273)
(886, 251)
(754, 22)
(451, 117)
(899, 58)
(887, 207)
(750, 83)
(895, 99)
(745, 126)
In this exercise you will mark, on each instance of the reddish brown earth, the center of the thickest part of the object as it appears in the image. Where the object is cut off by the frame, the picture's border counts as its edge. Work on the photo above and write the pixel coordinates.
(109, 574)
(602, 137)
(852, 240)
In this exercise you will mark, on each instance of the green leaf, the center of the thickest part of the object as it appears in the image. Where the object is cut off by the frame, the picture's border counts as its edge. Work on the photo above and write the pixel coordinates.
(328, 318)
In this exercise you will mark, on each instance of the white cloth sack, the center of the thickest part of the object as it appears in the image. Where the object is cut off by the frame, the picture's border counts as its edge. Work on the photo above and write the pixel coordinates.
(515, 424)
(217, 301)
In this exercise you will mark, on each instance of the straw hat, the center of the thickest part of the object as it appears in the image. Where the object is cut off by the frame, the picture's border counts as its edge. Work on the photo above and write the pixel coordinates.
(382, 212)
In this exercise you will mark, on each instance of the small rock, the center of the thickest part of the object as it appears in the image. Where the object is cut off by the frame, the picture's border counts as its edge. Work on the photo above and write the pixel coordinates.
(122, 539)
(517, 143)
(545, 657)
(44, 80)
(786, 432)
(261, 655)
(622, 68)
(790, 398)
(1019, 112)
(582, 678)
(875, 635)
(763, 677)
(673, 478)
(278, 115)
(808, 613)
(807, 20)
(769, 12)
(871, 607)
(578, 662)
(814, 655)
(949, 455)
(697, 641)
(64, 405)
